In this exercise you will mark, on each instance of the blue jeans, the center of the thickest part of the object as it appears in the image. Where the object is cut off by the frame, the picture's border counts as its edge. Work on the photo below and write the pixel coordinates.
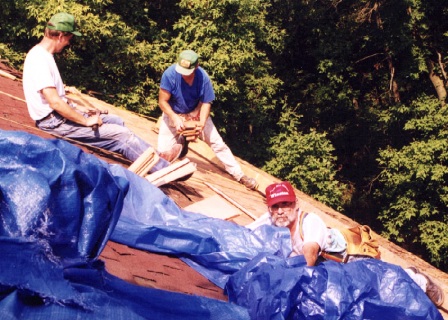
(112, 136)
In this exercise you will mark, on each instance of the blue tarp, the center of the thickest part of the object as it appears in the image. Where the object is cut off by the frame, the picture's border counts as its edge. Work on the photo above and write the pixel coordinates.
(59, 206)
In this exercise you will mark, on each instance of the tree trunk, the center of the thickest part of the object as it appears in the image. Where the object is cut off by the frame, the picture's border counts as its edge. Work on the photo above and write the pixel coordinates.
(437, 82)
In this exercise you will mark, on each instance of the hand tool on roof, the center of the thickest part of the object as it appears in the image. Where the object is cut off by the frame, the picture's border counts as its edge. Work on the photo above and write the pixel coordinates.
(97, 112)
(88, 103)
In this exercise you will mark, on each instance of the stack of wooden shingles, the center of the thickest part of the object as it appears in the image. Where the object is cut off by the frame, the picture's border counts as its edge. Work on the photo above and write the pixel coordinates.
(179, 170)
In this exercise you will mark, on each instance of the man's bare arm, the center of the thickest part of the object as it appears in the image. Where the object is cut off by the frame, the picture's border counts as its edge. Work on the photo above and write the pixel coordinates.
(311, 252)
(176, 120)
(61, 107)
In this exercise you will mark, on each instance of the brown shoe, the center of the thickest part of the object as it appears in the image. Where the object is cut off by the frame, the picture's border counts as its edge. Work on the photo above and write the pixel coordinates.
(433, 291)
(249, 183)
(173, 154)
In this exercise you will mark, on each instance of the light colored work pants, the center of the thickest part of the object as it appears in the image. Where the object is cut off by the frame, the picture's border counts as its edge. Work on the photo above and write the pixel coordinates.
(168, 137)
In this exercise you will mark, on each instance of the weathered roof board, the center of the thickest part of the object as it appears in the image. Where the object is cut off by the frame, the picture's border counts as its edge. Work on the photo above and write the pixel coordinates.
(170, 273)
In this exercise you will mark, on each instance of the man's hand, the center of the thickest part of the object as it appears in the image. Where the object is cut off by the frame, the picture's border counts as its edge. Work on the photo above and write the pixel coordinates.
(94, 120)
(178, 122)
(200, 129)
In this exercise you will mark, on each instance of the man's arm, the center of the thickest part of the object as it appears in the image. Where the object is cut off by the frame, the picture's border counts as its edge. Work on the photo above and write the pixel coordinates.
(204, 113)
(311, 252)
(177, 121)
(61, 107)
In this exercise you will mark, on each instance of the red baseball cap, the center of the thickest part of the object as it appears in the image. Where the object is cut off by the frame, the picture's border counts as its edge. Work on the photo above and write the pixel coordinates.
(280, 192)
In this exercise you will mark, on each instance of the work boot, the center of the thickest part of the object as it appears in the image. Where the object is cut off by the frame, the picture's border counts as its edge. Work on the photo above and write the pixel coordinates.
(184, 151)
(433, 291)
(173, 154)
(249, 183)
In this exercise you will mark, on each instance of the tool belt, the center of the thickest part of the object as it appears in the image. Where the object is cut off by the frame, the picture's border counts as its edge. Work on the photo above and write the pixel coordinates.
(359, 243)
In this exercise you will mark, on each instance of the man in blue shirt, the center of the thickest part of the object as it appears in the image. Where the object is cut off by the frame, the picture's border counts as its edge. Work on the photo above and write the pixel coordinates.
(186, 93)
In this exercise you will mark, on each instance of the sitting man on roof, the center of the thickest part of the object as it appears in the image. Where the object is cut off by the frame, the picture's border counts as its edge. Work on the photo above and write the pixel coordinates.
(186, 94)
(316, 242)
(53, 112)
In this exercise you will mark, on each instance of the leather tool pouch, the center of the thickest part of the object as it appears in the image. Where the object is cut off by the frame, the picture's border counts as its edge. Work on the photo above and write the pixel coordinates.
(360, 242)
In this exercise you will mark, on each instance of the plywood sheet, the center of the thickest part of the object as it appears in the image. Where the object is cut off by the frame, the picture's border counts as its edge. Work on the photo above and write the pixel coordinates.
(215, 207)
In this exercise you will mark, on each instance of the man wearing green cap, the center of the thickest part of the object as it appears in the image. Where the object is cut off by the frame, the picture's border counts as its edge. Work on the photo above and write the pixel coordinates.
(186, 93)
(53, 112)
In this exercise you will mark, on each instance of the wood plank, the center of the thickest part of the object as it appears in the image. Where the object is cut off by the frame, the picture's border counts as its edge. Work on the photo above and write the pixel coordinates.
(179, 173)
(236, 204)
(7, 75)
(215, 207)
(162, 172)
(145, 162)
(147, 165)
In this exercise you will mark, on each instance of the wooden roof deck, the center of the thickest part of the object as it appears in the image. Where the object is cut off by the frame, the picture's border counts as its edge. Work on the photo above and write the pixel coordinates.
(170, 273)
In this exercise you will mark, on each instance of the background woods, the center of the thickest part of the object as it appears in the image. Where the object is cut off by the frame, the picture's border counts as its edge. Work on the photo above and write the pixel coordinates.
(346, 99)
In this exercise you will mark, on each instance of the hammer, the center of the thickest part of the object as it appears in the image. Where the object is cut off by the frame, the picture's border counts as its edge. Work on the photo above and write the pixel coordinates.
(97, 112)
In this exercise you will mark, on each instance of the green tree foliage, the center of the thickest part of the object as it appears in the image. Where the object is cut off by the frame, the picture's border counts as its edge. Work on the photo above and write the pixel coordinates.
(412, 189)
(306, 161)
(357, 73)
(128, 44)
(231, 37)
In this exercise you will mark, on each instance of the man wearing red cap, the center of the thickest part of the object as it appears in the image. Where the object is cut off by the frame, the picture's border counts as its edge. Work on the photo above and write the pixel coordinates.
(53, 112)
(311, 237)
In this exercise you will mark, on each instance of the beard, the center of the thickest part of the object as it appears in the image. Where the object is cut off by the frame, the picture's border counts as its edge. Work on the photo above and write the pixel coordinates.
(283, 221)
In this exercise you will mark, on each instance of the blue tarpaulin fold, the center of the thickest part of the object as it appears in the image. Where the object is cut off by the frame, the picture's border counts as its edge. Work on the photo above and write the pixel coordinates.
(59, 207)
(274, 288)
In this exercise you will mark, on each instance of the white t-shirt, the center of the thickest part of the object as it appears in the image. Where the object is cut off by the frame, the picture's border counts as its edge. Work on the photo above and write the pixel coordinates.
(40, 71)
(314, 230)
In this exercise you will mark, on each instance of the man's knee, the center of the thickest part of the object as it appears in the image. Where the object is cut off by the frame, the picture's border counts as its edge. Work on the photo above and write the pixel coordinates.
(113, 119)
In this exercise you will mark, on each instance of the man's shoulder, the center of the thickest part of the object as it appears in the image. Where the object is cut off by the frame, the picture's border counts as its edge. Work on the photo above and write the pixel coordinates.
(203, 73)
(309, 217)
(169, 77)
(170, 70)
(38, 53)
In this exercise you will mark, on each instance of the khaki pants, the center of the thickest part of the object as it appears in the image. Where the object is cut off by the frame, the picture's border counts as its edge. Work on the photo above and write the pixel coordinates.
(168, 137)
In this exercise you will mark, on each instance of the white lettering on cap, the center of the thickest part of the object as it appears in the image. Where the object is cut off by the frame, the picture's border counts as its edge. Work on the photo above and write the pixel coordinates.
(278, 194)
(282, 192)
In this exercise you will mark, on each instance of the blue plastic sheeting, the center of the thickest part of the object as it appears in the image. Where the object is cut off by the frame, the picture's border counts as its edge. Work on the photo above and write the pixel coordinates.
(58, 207)
(34, 287)
(53, 192)
(274, 288)
(152, 221)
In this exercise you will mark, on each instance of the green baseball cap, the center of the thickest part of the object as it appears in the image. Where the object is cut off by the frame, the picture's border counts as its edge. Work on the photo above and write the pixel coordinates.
(63, 22)
(187, 62)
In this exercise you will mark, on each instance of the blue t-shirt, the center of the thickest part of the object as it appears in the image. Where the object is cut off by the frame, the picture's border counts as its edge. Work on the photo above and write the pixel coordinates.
(185, 98)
